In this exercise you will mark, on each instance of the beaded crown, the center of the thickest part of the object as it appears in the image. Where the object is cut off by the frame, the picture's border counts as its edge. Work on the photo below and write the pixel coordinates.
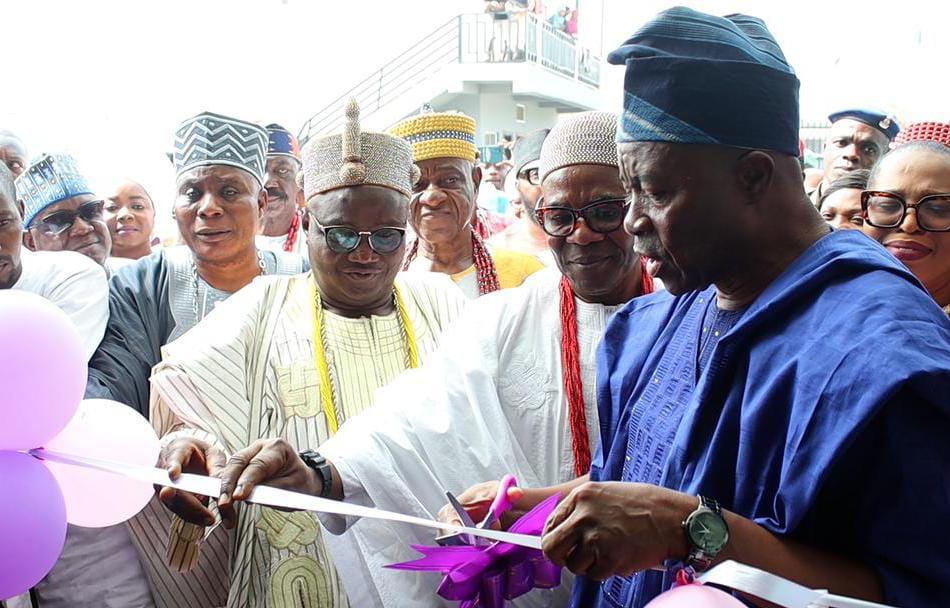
(439, 135)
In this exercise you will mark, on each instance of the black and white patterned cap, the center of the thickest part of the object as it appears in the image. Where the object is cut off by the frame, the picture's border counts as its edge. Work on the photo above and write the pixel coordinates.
(213, 139)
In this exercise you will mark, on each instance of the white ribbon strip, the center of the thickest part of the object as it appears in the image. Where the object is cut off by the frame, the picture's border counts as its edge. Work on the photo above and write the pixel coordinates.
(733, 575)
(776, 589)
(274, 497)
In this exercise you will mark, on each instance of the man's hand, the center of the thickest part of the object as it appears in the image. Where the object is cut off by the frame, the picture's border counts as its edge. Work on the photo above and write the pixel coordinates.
(606, 529)
(188, 455)
(271, 461)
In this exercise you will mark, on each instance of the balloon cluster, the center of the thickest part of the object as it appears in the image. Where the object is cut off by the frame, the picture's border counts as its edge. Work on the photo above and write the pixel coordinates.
(42, 381)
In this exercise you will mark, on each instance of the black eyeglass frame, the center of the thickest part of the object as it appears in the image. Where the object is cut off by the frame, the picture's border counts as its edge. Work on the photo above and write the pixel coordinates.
(360, 234)
(96, 216)
(541, 210)
(532, 175)
(866, 197)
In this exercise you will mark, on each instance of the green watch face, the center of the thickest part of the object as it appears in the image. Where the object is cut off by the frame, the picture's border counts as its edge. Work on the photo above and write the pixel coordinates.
(708, 532)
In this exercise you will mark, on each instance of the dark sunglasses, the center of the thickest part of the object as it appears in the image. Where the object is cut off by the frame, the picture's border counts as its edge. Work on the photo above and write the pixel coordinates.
(59, 222)
(603, 216)
(341, 239)
(887, 210)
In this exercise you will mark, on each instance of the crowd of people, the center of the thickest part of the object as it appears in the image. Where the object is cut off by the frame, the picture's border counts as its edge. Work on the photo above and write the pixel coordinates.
(703, 359)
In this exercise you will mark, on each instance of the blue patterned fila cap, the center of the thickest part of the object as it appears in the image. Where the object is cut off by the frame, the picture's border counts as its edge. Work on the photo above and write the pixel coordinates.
(50, 179)
(213, 139)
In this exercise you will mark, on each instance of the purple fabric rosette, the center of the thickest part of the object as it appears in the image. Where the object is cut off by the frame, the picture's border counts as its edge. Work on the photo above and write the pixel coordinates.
(486, 576)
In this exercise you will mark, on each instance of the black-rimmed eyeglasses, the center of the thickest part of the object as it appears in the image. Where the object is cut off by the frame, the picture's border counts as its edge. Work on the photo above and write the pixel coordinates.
(59, 222)
(884, 209)
(603, 216)
(341, 239)
(532, 175)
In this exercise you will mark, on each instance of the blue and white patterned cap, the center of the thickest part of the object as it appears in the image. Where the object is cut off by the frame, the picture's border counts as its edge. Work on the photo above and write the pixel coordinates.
(213, 139)
(50, 179)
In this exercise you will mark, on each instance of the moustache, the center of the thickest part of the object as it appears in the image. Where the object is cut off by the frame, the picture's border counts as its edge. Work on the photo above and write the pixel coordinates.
(276, 193)
(649, 249)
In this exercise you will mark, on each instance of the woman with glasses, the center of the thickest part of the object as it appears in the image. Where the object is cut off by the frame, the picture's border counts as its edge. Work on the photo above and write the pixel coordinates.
(907, 209)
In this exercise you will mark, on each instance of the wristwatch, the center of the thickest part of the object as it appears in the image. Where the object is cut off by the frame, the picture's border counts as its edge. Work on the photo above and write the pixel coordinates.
(319, 464)
(706, 534)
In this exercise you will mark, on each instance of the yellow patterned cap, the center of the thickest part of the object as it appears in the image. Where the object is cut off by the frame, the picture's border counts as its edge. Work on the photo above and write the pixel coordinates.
(439, 135)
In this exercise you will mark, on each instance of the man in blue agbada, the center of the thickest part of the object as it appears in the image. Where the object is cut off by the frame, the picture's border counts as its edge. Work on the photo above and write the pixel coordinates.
(786, 403)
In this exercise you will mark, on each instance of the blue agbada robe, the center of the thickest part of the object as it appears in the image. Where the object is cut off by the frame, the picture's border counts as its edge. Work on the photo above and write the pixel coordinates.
(823, 415)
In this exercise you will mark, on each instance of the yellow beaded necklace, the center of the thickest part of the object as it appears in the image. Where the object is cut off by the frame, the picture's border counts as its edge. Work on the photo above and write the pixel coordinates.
(320, 351)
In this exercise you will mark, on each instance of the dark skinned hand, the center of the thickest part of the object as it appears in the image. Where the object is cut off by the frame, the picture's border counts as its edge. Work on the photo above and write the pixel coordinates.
(271, 461)
(608, 529)
(188, 455)
(478, 498)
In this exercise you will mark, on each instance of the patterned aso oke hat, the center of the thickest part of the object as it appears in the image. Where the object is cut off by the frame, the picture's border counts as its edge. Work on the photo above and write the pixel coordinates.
(50, 179)
(213, 139)
(439, 135)
(588, 138)
(281, 142)
(694, 78)
(354, 158)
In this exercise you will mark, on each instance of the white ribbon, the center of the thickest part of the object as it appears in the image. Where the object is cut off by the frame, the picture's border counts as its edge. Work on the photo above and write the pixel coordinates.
(733, 575)
(274, 497)
(776, 589)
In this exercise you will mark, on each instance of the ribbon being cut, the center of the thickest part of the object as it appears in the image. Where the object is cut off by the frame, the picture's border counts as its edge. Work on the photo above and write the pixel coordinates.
(487, 575)
(53, 460)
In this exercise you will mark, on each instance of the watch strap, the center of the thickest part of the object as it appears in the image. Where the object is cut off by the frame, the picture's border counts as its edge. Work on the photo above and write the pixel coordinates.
(318, 463)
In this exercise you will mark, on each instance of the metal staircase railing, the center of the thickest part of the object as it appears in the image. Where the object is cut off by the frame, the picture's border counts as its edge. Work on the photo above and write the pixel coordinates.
(467, 38)
(395, 78)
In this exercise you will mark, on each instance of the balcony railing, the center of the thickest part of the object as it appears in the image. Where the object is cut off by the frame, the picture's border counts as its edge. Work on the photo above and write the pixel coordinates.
(467, 39)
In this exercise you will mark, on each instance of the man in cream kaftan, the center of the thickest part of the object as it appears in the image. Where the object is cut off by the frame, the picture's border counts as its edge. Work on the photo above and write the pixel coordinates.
(247, 372)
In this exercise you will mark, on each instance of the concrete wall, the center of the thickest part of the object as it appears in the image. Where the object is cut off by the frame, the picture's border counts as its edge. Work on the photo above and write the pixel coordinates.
(493, 109)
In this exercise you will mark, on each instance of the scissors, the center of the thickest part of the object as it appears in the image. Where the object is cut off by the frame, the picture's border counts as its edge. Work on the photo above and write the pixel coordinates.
(498, 506)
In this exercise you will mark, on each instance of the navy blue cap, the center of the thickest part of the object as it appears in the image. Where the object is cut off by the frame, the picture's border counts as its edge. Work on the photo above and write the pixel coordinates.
(696, 78)
(879, 120)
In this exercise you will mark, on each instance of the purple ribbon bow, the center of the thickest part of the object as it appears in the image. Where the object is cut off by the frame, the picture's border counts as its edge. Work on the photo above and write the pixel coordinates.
(486, 576)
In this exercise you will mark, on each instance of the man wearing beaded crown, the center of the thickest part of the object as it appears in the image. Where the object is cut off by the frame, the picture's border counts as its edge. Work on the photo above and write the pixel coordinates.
(293, 358)
(443, 212)
(510, 391)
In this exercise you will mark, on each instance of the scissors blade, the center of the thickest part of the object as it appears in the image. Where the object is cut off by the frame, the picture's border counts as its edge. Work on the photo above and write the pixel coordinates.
(465, 518)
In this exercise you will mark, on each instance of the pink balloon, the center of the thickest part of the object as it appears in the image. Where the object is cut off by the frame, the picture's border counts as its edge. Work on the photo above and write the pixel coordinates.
(42, 370)
(105, 430)
(32, 523)
(695, 595)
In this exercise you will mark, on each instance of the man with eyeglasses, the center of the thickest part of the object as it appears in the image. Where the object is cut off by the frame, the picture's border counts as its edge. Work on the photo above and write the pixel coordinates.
(66, 227)
(857, 139)
(61, 212)
(510, 391)
(70, 280)
(294, 358)
(524, 234)
(282, 227)
(741, 418)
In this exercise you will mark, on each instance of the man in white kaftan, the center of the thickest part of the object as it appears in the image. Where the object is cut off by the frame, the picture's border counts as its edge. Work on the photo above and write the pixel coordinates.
(496, 397)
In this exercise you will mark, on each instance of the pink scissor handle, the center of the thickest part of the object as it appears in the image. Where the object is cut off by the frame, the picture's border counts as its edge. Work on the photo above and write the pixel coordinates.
(501, 502)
